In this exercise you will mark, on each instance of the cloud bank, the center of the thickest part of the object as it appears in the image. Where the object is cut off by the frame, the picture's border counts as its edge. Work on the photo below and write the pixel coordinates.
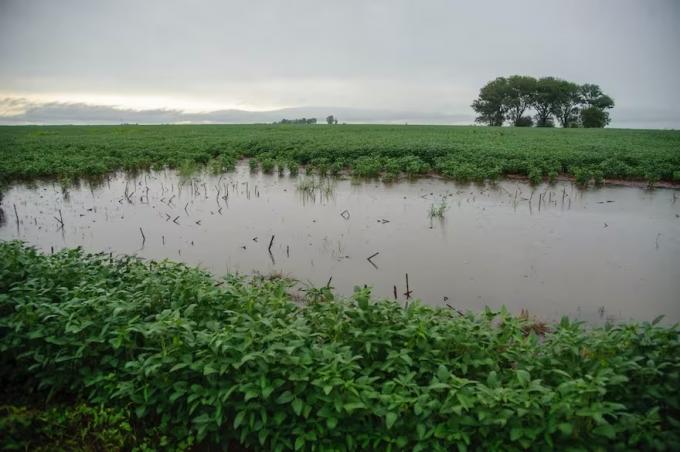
(18, 111)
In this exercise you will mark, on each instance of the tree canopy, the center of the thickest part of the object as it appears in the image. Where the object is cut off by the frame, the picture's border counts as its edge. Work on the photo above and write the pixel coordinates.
(552, 99)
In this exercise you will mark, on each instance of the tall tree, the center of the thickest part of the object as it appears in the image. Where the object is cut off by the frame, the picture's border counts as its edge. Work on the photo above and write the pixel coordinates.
(491, 105)
(521, 91)
(330, 120)
(545, 99)
(567, 102)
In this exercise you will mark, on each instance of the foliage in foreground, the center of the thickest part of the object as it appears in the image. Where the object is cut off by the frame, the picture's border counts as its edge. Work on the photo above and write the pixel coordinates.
(461, 153)
(78, 427)
(196, 361)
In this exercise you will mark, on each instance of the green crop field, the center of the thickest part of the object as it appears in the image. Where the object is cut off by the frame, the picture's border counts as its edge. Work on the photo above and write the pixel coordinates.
(129, 352)
(462, 153)
(117, 353)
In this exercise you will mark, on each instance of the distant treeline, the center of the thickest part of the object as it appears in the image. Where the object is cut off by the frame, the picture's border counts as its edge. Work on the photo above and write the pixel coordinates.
(297, 121)
(550, 98)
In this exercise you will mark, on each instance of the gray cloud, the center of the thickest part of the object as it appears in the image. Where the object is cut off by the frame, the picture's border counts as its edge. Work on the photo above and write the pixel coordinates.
(379, 56)
(26, 112)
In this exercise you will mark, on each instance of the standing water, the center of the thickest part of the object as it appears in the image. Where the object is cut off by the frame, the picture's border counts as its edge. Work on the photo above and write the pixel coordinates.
(602, 254)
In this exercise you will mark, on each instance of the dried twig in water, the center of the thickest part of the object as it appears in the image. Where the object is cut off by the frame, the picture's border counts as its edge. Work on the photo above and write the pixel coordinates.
(60, 220)
(454, 309)
(408, 290)
(16, 215)
(369, 259)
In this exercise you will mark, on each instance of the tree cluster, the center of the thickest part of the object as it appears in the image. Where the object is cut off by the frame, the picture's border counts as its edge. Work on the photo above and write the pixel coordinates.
(550, 98)
(297, 121)
(331, 119)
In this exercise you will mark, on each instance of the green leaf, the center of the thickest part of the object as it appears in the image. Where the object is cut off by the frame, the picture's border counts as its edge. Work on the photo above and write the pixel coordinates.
(349, 407)
(297, 406)
(390, 419)
(239, 418)
(331, 422)
(523, 376)
(202, 419)
(262, 436)
(605, 430)
(420, 430)
(443, 373)
(178, 366)
(285, 397)
(565, 428)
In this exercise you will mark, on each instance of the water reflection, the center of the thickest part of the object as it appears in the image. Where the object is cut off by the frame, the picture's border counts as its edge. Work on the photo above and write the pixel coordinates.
(611, 253)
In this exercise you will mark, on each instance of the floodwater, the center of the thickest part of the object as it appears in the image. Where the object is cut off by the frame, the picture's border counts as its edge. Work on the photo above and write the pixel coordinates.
(598, 255)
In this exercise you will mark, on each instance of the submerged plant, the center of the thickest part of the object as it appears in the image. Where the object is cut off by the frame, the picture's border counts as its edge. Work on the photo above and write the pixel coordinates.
(292, 168)
(438, 210)
(268, 166)
(310, 186)
(187, 169)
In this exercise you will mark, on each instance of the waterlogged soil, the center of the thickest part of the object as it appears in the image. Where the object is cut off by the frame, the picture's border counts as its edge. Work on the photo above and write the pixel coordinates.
(607, 254)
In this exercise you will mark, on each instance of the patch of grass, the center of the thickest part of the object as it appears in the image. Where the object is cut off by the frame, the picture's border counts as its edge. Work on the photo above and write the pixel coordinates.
(205, 363)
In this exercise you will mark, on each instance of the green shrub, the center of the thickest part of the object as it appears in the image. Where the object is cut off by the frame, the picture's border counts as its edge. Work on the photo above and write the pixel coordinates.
(267, 166)
(583, 176)
(242, 361)
(367, 167)
(535, 175)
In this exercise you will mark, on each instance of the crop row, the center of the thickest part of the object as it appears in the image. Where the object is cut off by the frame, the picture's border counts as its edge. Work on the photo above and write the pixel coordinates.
(193, 361)
(462, 153)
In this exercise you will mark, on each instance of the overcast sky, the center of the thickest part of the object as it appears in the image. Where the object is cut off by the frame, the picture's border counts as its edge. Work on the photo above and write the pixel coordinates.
(366, 61)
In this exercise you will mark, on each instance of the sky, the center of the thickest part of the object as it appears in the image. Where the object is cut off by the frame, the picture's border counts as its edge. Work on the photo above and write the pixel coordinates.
(76, 61)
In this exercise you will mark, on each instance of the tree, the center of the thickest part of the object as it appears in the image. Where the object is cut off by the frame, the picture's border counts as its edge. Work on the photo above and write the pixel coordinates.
(520, 97)
(593, 96)
(571, 104)
(331, 120)
(491, 105)
(567, 102)
(524, 121)
(596, 103)
(592, 117)
(545, 99)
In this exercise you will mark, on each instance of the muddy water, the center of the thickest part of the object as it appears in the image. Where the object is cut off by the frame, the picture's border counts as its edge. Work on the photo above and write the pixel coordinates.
(610, 253)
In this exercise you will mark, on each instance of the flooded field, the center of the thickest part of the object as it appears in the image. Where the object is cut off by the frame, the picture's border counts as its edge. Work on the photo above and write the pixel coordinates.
(603, 254)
